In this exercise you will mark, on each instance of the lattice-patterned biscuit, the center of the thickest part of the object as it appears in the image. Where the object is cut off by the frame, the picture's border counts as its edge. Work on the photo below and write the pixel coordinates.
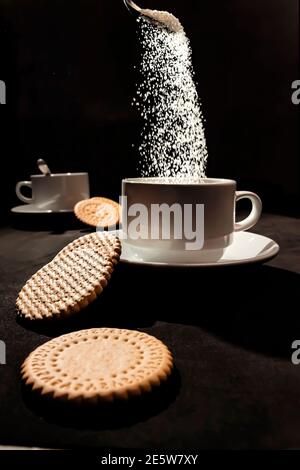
(98, 212)
(101, 364)
(72, 280)
(106, 242)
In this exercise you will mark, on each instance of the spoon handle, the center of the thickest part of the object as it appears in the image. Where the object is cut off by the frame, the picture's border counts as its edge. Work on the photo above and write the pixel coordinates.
(132, 6)
(43, 167)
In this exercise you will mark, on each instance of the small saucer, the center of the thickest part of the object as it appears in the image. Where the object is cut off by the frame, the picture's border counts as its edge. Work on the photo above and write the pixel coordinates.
(33, 209)
(246, 248)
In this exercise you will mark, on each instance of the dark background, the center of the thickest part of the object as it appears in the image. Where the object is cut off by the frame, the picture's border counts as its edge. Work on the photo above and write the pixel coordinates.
(68, 67)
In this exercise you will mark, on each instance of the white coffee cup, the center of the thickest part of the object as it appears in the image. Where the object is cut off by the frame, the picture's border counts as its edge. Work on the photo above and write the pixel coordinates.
(211, 200)
(56, 192)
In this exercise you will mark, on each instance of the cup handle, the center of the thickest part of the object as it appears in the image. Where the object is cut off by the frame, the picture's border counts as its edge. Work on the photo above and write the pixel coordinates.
(23, 198)
(255, 213)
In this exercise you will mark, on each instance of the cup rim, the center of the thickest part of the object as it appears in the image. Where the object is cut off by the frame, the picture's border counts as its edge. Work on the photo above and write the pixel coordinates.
(80, 173)
(154, 181)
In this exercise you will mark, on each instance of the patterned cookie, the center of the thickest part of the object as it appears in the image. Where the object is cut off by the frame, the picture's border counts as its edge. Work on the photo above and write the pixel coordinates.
(106, 242)
(98, 212)
(72, 280)
(96, 365)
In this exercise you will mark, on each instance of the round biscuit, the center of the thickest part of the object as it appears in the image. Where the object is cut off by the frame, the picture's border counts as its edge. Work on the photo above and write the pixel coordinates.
(98, 212)
(96, 365)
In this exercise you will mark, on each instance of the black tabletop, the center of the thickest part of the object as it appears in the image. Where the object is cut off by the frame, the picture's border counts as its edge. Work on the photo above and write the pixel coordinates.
(230, 330)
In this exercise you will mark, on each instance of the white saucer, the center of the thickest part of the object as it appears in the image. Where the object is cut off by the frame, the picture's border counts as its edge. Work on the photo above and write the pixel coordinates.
(32, 209)
(246, 248)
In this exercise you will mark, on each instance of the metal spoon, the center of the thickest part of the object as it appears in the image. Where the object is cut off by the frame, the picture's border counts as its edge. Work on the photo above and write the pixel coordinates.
(132, 7)
(166, 19)
(43, 167)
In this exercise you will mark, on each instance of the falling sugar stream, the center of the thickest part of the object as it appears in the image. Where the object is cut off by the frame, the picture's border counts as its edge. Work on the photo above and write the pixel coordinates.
(173, 142)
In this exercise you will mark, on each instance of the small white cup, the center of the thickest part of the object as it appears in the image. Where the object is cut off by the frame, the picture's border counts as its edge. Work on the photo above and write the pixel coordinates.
(56, 192)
